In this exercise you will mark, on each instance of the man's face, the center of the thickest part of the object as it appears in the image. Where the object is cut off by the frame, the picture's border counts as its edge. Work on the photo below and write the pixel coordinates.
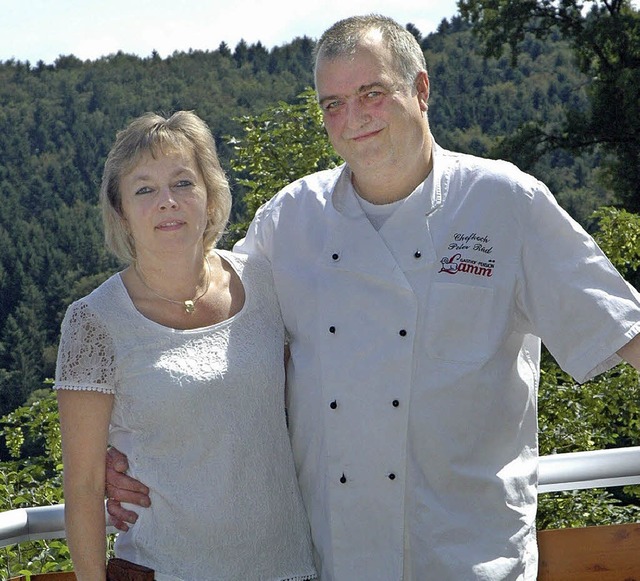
(374, 121)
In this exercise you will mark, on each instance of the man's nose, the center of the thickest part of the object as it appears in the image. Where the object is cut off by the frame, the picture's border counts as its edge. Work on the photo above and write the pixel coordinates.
(357, 114)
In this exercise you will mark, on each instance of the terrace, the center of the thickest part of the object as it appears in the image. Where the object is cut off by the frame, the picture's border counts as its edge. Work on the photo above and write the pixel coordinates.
(603, 553)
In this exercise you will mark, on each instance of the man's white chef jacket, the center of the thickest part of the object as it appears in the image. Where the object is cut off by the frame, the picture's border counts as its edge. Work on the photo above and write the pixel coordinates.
(414, 362)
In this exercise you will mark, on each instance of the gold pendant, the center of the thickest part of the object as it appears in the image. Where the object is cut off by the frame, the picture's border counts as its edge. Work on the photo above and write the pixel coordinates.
(189, 307)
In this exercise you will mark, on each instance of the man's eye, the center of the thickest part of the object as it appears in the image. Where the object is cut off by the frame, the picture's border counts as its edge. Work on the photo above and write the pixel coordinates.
(373, 94)
(331, 105)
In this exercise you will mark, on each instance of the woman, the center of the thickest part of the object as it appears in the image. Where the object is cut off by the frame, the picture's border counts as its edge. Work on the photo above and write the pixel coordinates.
(178, 362)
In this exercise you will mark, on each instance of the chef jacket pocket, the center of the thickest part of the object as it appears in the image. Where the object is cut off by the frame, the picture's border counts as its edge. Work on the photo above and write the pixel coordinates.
(457, 323)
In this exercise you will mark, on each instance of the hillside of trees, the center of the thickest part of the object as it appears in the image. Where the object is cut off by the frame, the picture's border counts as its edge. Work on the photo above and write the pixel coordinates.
(57, 123)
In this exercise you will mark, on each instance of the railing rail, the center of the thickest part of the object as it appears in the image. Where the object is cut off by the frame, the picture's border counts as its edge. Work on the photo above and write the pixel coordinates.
(571, 471)
(33, 524)
(30, 524)
(593, 469)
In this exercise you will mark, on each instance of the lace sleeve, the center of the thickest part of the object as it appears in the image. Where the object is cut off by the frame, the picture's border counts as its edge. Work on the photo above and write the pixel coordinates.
(86, 358)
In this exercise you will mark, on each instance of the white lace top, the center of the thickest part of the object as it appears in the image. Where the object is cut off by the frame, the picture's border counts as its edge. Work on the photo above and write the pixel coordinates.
(200, 415)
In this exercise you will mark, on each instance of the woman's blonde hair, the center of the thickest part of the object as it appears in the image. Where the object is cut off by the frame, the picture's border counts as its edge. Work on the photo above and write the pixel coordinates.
(153, 134)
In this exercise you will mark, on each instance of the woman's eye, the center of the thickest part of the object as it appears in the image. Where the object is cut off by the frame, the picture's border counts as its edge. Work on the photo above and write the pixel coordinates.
(143, 190)
(184, 184)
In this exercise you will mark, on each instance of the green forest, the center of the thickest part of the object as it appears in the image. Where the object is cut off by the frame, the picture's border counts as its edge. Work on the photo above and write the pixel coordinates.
(556, 91)
(58, 122)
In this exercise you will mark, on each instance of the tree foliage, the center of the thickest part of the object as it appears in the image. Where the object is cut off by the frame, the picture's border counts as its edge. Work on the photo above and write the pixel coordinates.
(57, 123)
(32, 477)
(279, 145)
(619, 237)
(605, 38)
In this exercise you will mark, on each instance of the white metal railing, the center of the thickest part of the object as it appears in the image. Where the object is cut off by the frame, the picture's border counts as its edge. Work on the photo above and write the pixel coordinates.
(33, 524)
(571, 471)
(30, 524)
(594, 469)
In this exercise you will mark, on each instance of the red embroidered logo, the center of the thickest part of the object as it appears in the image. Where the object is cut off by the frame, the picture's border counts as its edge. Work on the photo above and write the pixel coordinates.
(456, 263)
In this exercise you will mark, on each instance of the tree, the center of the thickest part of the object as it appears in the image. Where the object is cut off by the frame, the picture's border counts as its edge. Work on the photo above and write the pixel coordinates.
(619, 237)
(605, 37)
(279, 145)
(241, 53)
(224, 49)
(413, 29)
(23, 362)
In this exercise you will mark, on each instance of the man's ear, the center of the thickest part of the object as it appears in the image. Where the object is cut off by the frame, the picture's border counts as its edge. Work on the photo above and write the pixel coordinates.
(422, 89)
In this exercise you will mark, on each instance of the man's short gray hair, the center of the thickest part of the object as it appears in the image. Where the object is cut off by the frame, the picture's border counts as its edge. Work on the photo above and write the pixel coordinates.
(343, 37)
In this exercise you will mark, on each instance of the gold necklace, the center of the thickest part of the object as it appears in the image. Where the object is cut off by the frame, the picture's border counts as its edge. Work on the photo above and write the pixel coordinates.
(190, 304)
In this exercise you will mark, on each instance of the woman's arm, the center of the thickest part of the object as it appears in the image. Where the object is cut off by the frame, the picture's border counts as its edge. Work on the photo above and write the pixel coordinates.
(84, 422)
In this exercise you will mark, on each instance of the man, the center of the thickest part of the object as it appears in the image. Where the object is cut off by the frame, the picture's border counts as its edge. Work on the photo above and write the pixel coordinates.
(414, 283)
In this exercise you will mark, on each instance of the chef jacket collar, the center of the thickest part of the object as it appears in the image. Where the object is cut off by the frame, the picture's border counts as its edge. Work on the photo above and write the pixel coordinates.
(346, 203)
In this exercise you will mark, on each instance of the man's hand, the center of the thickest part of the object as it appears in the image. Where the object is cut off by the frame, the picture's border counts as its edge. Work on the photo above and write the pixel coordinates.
(631, 352)
(122, 488)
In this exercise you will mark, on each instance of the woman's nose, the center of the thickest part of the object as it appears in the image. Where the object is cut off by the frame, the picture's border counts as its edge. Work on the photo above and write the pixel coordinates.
(167, 199)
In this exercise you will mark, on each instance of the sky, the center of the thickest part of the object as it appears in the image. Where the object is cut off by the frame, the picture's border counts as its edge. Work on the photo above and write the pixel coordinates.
(43, 30)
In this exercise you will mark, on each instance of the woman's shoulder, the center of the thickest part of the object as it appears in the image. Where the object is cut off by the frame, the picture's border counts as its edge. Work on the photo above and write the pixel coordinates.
(102, 300)
(253, 264)
(254, 271)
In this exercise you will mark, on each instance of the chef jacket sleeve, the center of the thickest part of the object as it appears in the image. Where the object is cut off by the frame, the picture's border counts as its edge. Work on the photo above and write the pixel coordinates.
(577, 302)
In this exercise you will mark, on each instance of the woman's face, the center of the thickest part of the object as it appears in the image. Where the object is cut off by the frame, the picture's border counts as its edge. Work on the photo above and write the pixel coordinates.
(164, 203)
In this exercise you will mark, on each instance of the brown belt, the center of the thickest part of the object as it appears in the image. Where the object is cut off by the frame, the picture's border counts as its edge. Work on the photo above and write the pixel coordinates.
(123, 570)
